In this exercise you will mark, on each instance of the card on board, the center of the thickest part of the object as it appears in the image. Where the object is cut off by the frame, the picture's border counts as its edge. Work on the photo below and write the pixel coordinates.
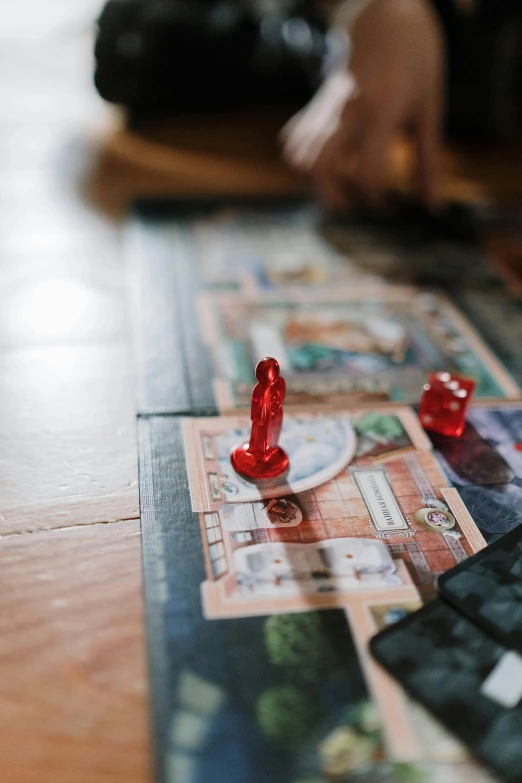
(487, 588)
(471, 682)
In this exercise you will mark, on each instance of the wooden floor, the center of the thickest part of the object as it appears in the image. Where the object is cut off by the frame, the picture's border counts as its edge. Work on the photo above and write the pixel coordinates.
(73, 694)
(73, 703)
(72, 667)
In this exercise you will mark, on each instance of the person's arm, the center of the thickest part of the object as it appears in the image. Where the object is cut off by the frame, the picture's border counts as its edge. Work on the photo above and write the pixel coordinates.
(394, 80)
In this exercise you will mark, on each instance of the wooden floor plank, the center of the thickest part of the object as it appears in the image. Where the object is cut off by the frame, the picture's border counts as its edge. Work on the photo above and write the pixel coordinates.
(72, 665)
(72, 668)
(68, 437)
(61, 298)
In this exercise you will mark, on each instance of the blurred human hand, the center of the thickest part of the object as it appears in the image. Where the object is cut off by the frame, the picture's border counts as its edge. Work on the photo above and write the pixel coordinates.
(394, 81)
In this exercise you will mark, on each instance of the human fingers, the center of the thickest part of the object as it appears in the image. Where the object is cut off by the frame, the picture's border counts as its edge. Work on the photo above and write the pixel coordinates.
(306, 134)
(332, 187)
(336, 138)
(302, 150)
(332, 182)
(370, 173)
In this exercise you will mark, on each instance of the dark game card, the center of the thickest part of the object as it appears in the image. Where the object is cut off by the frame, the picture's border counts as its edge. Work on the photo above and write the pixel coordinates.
(487, 588)
(469, 681)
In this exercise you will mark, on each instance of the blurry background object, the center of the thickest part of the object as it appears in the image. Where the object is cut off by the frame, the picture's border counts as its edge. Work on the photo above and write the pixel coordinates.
(484, 44)
(176, 55)
(169, 56)
(207, 86)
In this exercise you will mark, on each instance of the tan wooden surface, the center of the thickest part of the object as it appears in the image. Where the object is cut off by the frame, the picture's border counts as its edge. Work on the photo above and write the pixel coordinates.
(72, 672)
(72, 665)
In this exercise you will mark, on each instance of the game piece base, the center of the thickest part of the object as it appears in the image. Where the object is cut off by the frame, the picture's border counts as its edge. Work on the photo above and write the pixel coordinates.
(250, 466)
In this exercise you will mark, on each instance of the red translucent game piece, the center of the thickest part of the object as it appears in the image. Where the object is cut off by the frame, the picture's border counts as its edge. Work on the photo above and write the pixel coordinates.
(444, 403)
(262, 457)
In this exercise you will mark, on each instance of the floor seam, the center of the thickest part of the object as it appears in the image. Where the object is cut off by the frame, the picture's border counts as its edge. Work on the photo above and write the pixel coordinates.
(67, 527)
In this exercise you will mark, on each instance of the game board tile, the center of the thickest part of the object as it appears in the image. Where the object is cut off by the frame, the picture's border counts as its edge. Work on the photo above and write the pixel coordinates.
(403, 486)
(432, 541)
(431, 468)
(307, 500)
(335, 509)
(348, 490)
(344, 508)
(327, 492)
(470, 530)
(311, 513)
(284, 534)
(440, 559)
(312, 530)
(348, 526)
(411, 503)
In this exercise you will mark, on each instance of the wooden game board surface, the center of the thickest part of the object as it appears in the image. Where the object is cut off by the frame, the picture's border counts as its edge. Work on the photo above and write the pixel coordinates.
(72, 675)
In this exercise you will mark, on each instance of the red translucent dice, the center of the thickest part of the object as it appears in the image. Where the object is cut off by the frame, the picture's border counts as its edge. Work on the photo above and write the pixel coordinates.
(444, 403)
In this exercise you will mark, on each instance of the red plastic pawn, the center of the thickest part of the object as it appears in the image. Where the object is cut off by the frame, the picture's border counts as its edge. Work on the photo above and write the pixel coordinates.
(444, 403)
(262, 457)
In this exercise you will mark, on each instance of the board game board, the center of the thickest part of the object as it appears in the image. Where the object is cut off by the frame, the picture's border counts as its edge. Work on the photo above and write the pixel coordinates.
(260, 603)
(346, 346)
(201, 269)
(485, 465)
(265, 602)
